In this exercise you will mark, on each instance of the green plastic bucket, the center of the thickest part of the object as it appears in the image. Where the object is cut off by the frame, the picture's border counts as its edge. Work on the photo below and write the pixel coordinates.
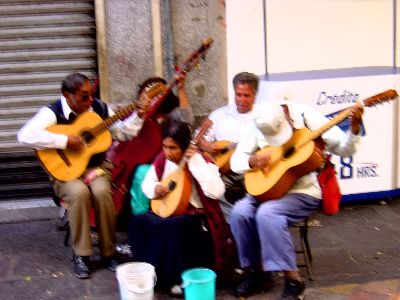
(199, 284)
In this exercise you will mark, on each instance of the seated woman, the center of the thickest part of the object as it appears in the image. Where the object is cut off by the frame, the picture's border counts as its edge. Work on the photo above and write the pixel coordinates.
(173, 107)
(130, 158)
(199, 237)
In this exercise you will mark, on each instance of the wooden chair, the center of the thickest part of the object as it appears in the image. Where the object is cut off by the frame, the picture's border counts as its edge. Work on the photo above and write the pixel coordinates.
(304, 247)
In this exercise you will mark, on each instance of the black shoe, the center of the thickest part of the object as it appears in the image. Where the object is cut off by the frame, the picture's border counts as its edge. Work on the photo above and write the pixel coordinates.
(81, 266)
(293, 290)
(111, 263)
(250, 285)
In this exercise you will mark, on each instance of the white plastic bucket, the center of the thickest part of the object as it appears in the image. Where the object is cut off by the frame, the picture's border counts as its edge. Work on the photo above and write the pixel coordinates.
(136, 281)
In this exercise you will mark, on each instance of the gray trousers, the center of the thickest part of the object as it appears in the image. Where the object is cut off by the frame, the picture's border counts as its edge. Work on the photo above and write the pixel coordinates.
(262, 230)
(79, 199)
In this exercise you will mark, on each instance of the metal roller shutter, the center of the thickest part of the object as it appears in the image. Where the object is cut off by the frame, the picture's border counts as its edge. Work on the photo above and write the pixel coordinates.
(40, 43)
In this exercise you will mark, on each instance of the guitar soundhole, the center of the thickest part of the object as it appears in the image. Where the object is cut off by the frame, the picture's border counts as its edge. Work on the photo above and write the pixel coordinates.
(171, 185)
(87, 137)
(224, 150)
(289, 152)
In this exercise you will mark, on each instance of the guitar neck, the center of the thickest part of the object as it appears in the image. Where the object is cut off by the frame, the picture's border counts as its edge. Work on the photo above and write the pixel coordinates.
(187, 66)
(203, 129)
(119, 115)
(371, 101)
(334, 121)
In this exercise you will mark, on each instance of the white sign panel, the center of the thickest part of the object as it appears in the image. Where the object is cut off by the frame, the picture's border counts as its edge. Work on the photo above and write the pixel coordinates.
(371, 168)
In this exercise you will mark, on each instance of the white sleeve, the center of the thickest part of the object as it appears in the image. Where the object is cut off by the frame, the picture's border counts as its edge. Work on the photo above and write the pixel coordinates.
(245, 148)
(127, 129)
(207, 175)
(35, 135)
(149, 183)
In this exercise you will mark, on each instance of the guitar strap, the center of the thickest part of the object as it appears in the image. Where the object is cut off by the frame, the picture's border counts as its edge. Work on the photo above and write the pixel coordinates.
(318, 141)
(287, 115)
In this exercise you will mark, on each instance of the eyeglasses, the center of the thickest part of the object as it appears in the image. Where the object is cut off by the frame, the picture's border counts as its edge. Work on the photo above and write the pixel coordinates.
(83, 98)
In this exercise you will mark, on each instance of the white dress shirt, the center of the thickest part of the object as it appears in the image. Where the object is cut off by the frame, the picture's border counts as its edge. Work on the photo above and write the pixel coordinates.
(228, 124)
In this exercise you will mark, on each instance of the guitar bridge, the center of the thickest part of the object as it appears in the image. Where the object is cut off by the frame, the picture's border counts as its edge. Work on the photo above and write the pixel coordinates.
(64, 157)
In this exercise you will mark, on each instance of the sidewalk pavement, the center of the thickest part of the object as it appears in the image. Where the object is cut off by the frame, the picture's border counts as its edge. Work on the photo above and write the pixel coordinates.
(356, 255)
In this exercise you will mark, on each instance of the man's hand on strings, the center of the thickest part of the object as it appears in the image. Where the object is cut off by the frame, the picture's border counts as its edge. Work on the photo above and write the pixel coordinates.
(355, 116)
(75, 143)
(260, 161)
(209, 147)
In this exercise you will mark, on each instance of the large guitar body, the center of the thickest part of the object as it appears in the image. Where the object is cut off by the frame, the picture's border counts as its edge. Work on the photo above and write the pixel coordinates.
(289, 164)
(176, 201)
(65, 164)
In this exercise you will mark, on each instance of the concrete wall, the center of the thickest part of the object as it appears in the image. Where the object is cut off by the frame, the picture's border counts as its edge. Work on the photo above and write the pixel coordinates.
(184, 25)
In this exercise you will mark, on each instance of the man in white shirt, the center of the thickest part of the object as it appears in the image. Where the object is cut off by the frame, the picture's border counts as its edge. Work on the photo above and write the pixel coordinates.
(229, 123)
(261, 229)
(80, 195)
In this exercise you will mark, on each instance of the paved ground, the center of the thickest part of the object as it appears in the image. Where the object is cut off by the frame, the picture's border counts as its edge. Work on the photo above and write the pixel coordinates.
(356, 256)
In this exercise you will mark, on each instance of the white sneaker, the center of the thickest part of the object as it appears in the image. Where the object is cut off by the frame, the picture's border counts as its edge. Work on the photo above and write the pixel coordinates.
(176, 290)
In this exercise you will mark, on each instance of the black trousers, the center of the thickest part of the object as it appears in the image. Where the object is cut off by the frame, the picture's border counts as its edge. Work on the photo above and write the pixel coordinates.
(171, 245)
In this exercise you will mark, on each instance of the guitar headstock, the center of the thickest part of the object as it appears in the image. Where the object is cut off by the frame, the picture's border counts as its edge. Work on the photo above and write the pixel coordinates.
(194, 58)
(206, 44)
(153, 90)
(381, 97)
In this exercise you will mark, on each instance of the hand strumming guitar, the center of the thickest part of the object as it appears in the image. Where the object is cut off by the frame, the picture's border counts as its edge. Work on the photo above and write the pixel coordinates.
(75, 143)
(209, 147)
(191, 150)
(160, 191)
(260, 161)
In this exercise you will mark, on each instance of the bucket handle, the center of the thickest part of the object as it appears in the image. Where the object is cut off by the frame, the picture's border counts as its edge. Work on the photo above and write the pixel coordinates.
(184, 284)
(154, 284)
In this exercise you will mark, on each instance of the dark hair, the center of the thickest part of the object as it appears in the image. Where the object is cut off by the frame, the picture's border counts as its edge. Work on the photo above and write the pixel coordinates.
(246, 78)
(169, 103)
(178, 131)
(73, 82)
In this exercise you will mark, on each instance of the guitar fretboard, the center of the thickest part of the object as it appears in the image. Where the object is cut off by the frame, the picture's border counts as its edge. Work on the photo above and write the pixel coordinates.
(371, 101)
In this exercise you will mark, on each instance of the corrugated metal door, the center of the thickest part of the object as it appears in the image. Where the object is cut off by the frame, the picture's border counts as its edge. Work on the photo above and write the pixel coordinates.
(40, 43)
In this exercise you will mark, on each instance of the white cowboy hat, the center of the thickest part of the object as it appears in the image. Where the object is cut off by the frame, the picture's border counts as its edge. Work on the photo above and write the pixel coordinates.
(271, 121)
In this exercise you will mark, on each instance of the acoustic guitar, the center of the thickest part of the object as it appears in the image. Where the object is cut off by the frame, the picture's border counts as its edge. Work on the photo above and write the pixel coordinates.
(223, 156)
(179, 184)
(297, 157)
(66, 164)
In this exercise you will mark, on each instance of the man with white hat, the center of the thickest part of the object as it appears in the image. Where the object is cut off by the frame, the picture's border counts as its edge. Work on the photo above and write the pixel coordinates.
(261, 229)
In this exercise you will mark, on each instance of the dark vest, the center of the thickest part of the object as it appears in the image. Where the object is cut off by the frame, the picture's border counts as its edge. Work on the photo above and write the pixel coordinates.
(99, 107)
